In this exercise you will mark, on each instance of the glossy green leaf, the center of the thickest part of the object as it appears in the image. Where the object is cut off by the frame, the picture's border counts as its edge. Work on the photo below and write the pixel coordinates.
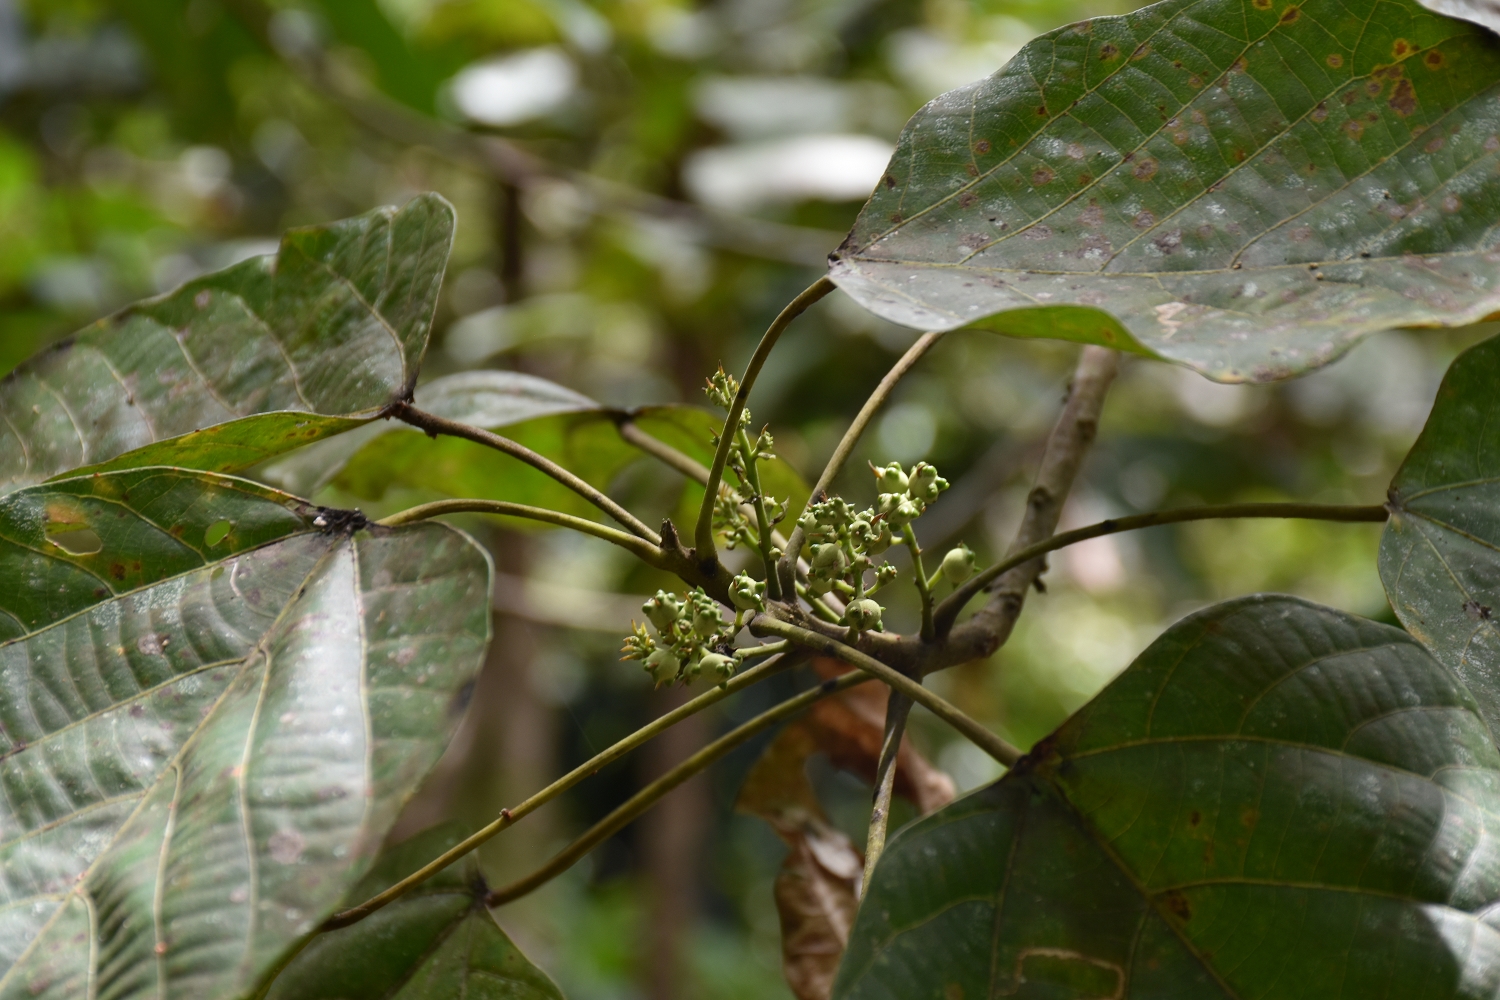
(1246, 187)
(238, 366)
(437, 942)
(208, 724)
(1274, 800)
(1440, 553)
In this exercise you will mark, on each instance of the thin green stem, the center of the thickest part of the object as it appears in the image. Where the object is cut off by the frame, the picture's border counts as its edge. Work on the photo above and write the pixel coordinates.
(919, 577)
(663, 452)
(948, 610)
(652, 793)
(762, 519)
(851, 437)
(435, 425)
(938, 706)
(510, 816)
(644, 550)
(750, 652)
(703, 536)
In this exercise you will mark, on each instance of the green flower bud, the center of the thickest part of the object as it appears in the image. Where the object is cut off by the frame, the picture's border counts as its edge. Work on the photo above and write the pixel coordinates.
(884, 574)
(873, 537)
(906, 512)
(717, 665)
(890, 479)
(864, 615)
(888, 502)
(828, 561)
(748, 594)
(707, 619)
(958, 565)
(926, 484)
(662, 665)
(663, 610)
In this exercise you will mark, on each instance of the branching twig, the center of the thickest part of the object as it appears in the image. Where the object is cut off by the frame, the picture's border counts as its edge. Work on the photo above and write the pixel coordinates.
(703, 536)
(846, 445)
(940, 707)
(552, 791)
(648, 796)
(639, 547)
(435, 425)
(1068, 443)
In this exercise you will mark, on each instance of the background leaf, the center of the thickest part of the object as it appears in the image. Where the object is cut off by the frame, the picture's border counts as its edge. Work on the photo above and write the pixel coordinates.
(332, 329)
(1439, 559)
(1275, 800)
(488, 399)
(203, 745)
(437, 942)
(1246, 187)
(579, 435)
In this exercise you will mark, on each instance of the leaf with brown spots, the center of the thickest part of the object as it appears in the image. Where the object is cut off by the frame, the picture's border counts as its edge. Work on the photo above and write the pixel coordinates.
(1348, 88)
(210, 749)
(1275, 800)
(242, 365)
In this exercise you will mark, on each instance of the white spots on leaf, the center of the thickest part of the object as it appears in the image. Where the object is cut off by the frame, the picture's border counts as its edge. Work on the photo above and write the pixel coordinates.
(285, 847)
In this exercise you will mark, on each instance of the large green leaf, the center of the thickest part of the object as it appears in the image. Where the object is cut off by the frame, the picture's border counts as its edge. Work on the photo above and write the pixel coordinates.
(207, 726)
(1440, 553)
(1246, 187)
(1275, 800)
(241, 365)
(437, 942)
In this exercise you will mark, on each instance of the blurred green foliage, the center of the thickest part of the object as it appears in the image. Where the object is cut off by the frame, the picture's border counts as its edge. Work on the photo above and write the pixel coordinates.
(641, 185)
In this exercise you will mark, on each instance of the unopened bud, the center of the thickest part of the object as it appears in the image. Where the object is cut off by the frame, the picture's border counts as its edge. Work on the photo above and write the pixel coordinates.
(926, 484)
(717, 665)
(748, 594)
(890, 479)
(662, 665)
(864, 615)
(958, 565)
(828, 560)
(663, 610)
(905, 513)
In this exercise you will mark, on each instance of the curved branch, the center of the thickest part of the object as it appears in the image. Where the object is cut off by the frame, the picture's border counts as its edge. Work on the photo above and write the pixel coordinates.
(648, 796)
(435, 425)
(846, 445)
(639, 547)
(895, 679)
(954, 603)
(703, 536)
(509, 816)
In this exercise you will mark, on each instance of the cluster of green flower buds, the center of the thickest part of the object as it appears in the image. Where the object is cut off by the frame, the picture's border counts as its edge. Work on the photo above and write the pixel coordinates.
(692, 638)
(728, 518)
(904, 496)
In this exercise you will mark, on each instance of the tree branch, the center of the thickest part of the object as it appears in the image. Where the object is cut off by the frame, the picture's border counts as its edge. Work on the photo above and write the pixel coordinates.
(1066, 447)
(846, 445)
(589, 767)
(938, 706)
(897, 711)
(435, 425)
(703, 536)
